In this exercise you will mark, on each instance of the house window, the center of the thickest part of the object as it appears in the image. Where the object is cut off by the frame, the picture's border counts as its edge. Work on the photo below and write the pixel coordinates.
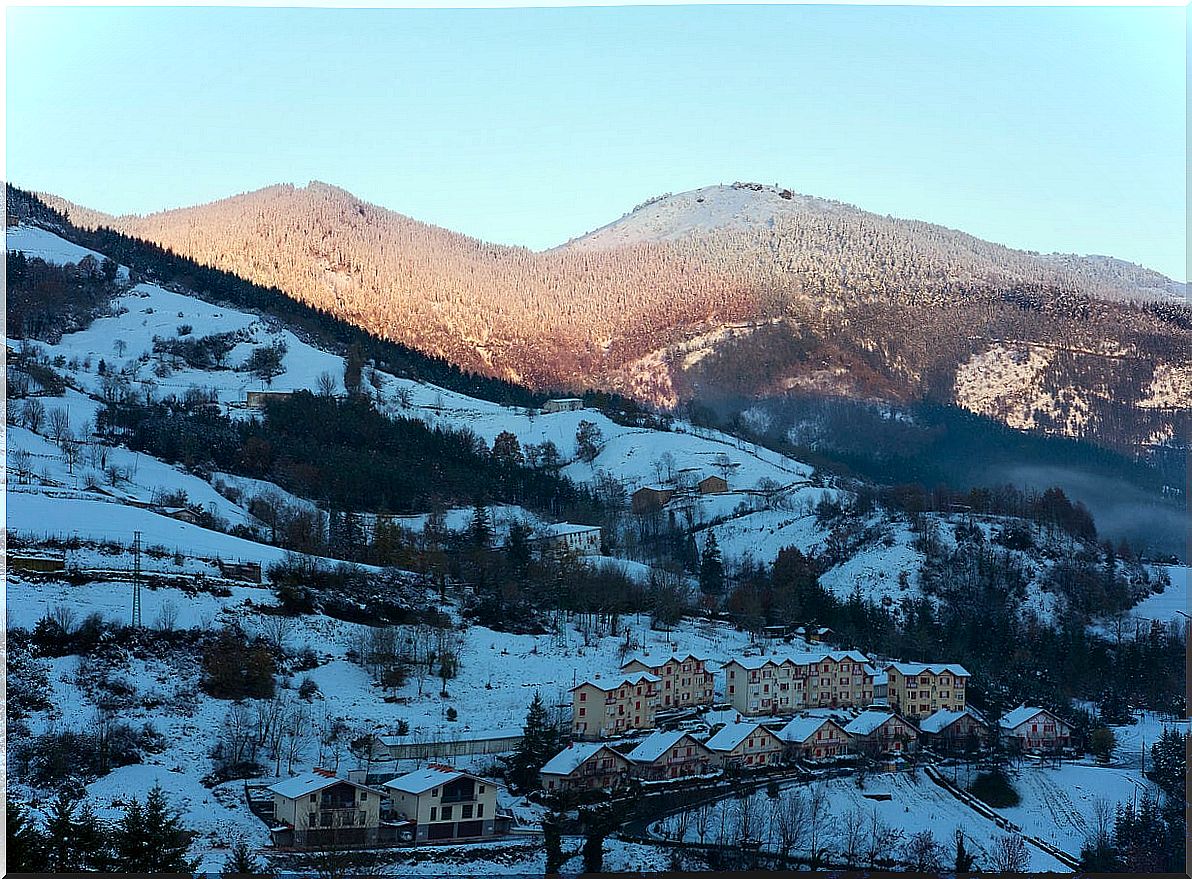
(447, 813)
(583, 697)
(466, 811)
(480, 808)
(481, 788)
(314, 798)
(434, 811)
(435, 792)
(363, 795)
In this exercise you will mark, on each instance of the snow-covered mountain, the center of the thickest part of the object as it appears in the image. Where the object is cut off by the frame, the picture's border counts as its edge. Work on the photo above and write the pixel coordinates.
(685, 296)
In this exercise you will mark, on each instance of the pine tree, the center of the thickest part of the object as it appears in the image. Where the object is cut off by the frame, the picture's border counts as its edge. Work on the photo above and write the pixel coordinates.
(540, 741)
(77, 841)
(480, 530)
(171, 840)
(132, 845)
(711, 567)
(1169, 762)
(242, 862)
(552, 837)
(25, 844)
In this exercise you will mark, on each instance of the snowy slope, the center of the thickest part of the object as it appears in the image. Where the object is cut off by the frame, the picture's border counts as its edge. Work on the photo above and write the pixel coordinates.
(39, 243)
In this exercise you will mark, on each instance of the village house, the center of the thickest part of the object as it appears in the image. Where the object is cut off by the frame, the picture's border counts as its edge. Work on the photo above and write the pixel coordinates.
(585, 766)
(814, 738)
(712, 485)
(786, 683)
(608, 708)
(565, 538)
(320, 808)
(41, 564)
(247, 572)
(746, 746)
(1035, 729)
(918, 689)
(563, 404)
(953, 732)
(685, 680)
(877, 732)
(671, 755)
(650, 499)
(445, 803)
(260, 399)
(182, 514)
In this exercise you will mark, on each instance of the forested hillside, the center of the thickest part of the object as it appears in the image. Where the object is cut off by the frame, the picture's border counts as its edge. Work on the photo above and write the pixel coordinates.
(743, 289)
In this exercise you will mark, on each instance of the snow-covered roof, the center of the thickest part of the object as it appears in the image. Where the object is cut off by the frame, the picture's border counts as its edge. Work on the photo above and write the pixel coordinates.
(866, 722)
(565, 400)
(423, 779)
(733, 734)
(308, 783)
(1021, 715)
(633, 679)
(802, 728)
(802, 658)
(561, 528)
(942, 719)
(569, 759)
(654, 746)
(663, 660)
(918, 668)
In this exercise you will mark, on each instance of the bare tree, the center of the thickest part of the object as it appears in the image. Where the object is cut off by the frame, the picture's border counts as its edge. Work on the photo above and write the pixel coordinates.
(34, 413)
(167, 616)
(817, 808)
(703, 819)
(792, 821)
(64, 618)
(923, 853)
(58, 424)
(1009, 854)
(853, 836)
(326, 385)
(276, 630)
(882, 840)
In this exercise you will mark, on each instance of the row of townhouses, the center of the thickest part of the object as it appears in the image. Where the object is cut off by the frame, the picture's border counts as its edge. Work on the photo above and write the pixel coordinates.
(758, 744)
(757, 686)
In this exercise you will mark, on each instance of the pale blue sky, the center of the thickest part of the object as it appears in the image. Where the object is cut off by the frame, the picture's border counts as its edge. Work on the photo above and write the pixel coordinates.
(1050, 129)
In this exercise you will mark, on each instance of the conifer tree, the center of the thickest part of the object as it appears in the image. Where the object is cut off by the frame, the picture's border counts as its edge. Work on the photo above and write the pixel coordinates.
(242, 862)
(540, 742)
(480, 530)
(25, 844)
(711, 567)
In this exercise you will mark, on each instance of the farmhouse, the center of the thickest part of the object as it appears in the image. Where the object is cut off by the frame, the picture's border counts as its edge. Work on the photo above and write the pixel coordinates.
(445, 803)
(563, 404)
(650, 498)
(182, 514)
(585, 766)
(260, 399)
(685, 680)
(951, 732)
(606, 708)
(565, 538)
(746, 745)
(35, 563)
(918, 689)
(671, 755)
(786, 683)
(320, 808)
(247, 572)
(814, 737)
(1035, 729)
(712, 485)
(882, 732)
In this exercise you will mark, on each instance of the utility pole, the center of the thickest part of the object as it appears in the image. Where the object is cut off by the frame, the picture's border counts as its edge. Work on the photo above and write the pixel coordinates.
(136, 580)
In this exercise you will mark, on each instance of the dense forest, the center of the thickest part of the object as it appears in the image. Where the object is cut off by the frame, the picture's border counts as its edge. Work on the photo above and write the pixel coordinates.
(345, 453)
(836, 298)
